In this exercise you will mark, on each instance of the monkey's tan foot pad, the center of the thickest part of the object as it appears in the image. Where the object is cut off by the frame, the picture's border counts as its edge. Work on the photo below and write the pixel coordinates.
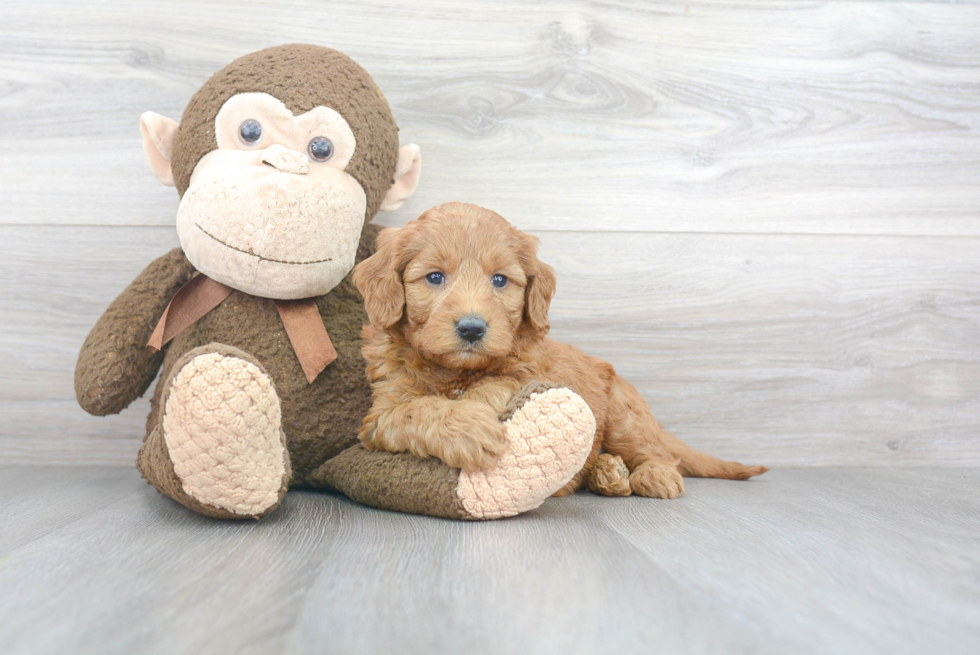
(222, 427)
(551, 436)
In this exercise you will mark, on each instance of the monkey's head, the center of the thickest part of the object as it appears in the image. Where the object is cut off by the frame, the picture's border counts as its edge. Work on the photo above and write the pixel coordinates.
(280, 159)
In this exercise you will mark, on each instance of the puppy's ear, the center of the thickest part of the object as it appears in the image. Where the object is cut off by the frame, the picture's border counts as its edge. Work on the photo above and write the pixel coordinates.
(379, 279)
(541, 284)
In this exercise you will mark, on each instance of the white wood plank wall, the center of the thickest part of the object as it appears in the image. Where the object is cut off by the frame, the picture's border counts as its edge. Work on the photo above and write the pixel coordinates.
(765, 214)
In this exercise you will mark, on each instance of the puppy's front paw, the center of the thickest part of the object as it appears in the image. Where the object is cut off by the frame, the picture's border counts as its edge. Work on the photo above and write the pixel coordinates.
(476, 443)
(656, 480)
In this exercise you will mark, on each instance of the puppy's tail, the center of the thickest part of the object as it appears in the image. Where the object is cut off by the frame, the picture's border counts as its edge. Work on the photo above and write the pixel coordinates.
(696, 464)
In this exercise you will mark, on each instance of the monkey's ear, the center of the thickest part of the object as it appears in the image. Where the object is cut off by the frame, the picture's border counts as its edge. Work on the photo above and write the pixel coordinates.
(159, 133)
(407, 173)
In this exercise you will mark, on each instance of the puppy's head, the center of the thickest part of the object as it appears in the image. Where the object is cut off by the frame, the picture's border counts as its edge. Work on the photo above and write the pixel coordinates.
(460, 283)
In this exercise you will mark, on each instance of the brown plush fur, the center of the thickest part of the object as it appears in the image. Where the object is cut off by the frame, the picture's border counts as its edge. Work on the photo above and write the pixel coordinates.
(437, 395)
(320, 419)
(154, 460)
(114, 366)
(303, 77)
(401, 481)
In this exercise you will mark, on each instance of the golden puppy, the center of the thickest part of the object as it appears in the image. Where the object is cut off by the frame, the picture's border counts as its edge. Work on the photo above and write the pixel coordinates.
(458, 302)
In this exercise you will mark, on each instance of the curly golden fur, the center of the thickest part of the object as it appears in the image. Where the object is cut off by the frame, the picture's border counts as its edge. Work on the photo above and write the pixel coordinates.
(437, 393)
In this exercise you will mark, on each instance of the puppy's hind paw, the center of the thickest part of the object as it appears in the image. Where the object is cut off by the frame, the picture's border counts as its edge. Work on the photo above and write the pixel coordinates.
(609, 476)
(656, 480)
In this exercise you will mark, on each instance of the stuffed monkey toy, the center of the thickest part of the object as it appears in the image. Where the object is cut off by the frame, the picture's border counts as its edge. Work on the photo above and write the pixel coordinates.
(281, 159)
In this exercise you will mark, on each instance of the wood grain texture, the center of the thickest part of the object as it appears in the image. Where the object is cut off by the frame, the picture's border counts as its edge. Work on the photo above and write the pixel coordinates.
(57, 282)
(787, 117)
(778, 349)
(798, 561)
(765, 214)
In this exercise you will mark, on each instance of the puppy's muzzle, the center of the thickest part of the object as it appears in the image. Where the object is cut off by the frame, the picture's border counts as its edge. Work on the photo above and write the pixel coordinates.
(471, 328)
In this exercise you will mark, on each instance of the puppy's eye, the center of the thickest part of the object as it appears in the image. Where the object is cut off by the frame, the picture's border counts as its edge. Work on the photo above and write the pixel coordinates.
(320, 148)
(435, 279)
(250, 132)
(498, 281)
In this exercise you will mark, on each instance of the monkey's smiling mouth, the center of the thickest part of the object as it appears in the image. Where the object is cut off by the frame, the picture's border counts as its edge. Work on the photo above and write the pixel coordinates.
(260, 257)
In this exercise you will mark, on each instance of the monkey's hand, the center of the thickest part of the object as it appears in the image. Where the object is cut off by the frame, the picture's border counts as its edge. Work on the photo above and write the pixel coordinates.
(114, 366)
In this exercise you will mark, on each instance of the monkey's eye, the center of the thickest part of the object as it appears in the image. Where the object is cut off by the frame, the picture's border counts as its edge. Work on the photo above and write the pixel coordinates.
(320, 148)
(498, 281)
(435, 279)
(250, 132)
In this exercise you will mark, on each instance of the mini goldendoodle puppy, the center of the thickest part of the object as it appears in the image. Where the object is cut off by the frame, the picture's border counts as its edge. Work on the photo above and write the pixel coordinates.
(458, 302)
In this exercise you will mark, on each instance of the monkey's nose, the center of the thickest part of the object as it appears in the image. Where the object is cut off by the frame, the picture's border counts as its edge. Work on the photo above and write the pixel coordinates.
(471, 328)
(286, 160)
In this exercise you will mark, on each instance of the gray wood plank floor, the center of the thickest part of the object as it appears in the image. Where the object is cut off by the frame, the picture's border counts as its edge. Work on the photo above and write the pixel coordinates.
(798, 561)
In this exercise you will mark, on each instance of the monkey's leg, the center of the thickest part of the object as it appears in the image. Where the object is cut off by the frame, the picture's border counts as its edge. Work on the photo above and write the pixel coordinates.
(218, 447)
(550, 432)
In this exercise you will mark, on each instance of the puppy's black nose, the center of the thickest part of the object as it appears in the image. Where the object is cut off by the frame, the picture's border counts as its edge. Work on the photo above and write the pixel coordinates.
(471, 328)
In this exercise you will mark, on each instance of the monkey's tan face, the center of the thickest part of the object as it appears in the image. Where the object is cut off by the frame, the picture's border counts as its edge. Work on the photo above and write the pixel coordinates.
(272, 211)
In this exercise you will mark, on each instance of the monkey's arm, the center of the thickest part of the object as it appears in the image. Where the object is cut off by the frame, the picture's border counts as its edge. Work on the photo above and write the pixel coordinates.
(522, 479)
(114, 366)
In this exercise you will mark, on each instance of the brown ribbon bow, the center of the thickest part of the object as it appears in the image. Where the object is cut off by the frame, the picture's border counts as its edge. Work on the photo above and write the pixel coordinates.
(301, 318)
